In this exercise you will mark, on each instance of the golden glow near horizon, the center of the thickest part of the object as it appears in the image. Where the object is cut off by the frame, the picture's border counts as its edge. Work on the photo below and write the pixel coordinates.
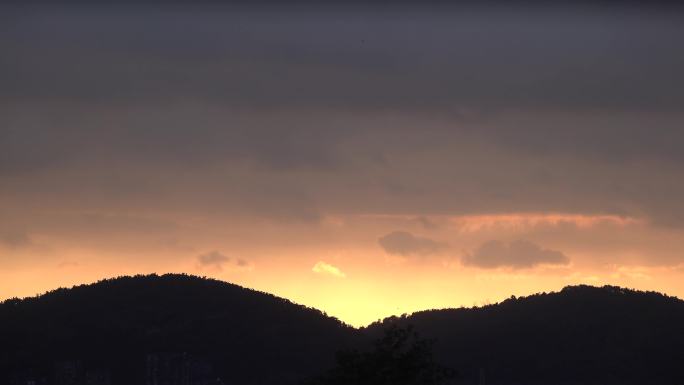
(359, 301)
(339, 268)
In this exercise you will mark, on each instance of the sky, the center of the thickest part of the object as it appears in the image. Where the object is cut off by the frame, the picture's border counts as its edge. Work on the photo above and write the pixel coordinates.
(363, 160)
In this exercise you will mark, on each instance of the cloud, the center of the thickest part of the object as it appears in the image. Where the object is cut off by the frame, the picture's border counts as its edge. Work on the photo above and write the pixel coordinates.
(327, 269)
(419, 75)
(405, 243)
(242, 263)
(517, 255)
(108, 131)
(426, 222)
(15, 239)
(213, 259)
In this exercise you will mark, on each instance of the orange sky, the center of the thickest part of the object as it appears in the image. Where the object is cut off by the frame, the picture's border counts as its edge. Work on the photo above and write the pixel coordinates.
(344, 270)
(365, 163)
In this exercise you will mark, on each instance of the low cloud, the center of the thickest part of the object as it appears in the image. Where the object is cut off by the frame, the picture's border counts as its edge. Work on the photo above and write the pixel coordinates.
(327, 269)
(14, 239)
(426, 223)
(219, 261)
(517, 255)
(242, 263)
(406, 244)
(213, 259)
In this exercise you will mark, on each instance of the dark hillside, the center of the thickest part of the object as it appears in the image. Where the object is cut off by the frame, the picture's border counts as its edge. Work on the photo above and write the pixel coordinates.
(179, 329)
(581, 335)
(112, 326)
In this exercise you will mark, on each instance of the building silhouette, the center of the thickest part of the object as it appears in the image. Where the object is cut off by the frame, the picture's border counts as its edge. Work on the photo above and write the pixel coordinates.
(178, 369)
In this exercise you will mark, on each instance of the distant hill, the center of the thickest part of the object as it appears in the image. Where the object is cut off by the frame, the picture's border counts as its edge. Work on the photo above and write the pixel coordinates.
(180, 330)
(581, 335)
(247, 337)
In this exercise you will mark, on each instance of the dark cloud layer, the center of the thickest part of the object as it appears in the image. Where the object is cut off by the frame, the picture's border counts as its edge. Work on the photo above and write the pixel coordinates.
(295, 115)
(405, 243)
(517, 255)
(446, 62)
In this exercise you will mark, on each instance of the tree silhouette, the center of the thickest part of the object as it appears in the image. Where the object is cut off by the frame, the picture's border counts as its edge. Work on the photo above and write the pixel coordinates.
(114, 324)
(399, 357)
(580, 335)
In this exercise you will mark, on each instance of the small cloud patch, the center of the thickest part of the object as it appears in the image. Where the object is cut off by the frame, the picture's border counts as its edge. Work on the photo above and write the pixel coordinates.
(218, 261)
(15, 239)
(327, 269)
(242, 263)
(213, 258)
(406, 244)
(517, 255)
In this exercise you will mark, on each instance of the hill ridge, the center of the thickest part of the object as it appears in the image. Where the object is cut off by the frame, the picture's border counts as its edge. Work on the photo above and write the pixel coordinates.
(196, 278)
(581, 334)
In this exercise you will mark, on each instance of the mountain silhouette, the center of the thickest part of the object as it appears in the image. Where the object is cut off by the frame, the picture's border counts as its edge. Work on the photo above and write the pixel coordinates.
(580, 335)
(118, 325)
(184, 330)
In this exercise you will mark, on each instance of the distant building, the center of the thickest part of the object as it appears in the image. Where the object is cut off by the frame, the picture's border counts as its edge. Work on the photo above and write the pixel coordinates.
(178, 369)
(27, 379)
(98, 377)
(69, 373)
